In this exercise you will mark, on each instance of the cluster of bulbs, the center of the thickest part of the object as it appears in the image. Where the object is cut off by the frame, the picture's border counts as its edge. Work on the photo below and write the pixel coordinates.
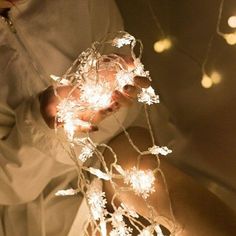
(89, 74)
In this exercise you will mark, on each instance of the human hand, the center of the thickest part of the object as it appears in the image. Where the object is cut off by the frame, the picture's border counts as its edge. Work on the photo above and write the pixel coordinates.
(6, 4)
(49, 101)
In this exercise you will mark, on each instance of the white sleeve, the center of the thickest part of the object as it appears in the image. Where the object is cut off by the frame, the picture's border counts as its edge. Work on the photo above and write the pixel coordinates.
(29, 155)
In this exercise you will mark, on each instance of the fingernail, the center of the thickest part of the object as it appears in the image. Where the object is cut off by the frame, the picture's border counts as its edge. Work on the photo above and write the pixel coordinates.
(94, 128)
(110, 109)
(126, 87)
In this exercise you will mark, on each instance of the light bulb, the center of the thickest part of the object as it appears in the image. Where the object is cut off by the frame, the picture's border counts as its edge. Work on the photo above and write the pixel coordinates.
(230, 38)
(206, 81)
(162, 45)
(232, 21)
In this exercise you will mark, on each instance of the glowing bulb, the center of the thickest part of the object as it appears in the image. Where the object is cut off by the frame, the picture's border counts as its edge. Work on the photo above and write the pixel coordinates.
(206, 81)
(162, 45)
(230, 38)
(232, 21)
(216, 78)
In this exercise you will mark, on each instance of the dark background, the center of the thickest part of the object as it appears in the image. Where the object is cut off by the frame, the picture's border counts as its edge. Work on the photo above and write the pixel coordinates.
(205, 119)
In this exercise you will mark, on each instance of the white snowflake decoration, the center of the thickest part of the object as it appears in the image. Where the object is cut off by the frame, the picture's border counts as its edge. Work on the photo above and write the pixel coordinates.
(148, 96)
(87, 150)
(96, 95)
(121, 230)
(142, 181)
(139, 69)
(155, 150)
(124, 78)
(123, 40)
(97, 201)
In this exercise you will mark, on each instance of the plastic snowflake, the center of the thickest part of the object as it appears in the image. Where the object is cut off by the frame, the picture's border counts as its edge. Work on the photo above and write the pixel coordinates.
(97, 202)
(87, 149)
(125, 39)
(148, 96)
(155, 150)
(142, 181)
(124, 78)
(121, 230)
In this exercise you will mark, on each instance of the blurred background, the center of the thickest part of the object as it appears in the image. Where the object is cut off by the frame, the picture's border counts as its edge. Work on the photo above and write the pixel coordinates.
(197, 114)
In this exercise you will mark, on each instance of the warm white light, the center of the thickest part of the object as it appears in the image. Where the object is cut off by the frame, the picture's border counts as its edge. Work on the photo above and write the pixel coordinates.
(96, 200)
(162, 45)
(142, 181)
(216, 78)
(206, 81)
(155, 150)
(232, 21)
(67, 192)
(96, 95)
(230, 38)
(148, 96)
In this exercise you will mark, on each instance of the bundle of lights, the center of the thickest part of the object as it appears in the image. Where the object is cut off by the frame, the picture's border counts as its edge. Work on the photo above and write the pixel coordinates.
(93, 74)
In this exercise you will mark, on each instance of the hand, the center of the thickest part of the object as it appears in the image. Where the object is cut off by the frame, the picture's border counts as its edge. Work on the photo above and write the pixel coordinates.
(6, 4)
(49, 102)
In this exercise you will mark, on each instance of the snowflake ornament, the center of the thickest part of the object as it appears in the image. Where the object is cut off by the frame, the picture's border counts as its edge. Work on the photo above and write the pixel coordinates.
(122, 40)
(96, 201)
(148, 96)
(87, 150)
(142, 181)
(155, 150)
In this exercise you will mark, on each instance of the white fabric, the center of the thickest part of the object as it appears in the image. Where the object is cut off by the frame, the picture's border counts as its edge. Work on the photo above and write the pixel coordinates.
(33, 164)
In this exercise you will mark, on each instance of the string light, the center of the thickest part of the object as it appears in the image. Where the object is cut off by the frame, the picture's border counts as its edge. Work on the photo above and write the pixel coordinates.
(206, 81)
(97, 76)
(142, 181)
(162, 45)
(232, 21)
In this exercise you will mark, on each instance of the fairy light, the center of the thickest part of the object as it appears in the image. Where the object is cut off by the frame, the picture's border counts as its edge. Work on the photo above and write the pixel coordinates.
(216, 77)
(87, 150)
(155, 150)
(232, 21)
(206, 82)
(230, 38)
(162, 45)
(142, 181)
(96, 76)
(148, 96)
(97, 201)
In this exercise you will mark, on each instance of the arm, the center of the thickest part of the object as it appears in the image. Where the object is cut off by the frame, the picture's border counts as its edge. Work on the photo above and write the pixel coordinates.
(197, 211)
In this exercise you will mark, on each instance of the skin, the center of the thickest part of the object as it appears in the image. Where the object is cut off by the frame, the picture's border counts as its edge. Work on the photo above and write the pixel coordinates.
(49, 101)
(197, 211)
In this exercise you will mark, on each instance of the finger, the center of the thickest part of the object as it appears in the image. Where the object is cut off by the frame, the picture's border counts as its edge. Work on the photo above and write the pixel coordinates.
(92, 128)
(120, 98)
(130, 91)
(142, 82)
(103, 113)
(5, 4)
